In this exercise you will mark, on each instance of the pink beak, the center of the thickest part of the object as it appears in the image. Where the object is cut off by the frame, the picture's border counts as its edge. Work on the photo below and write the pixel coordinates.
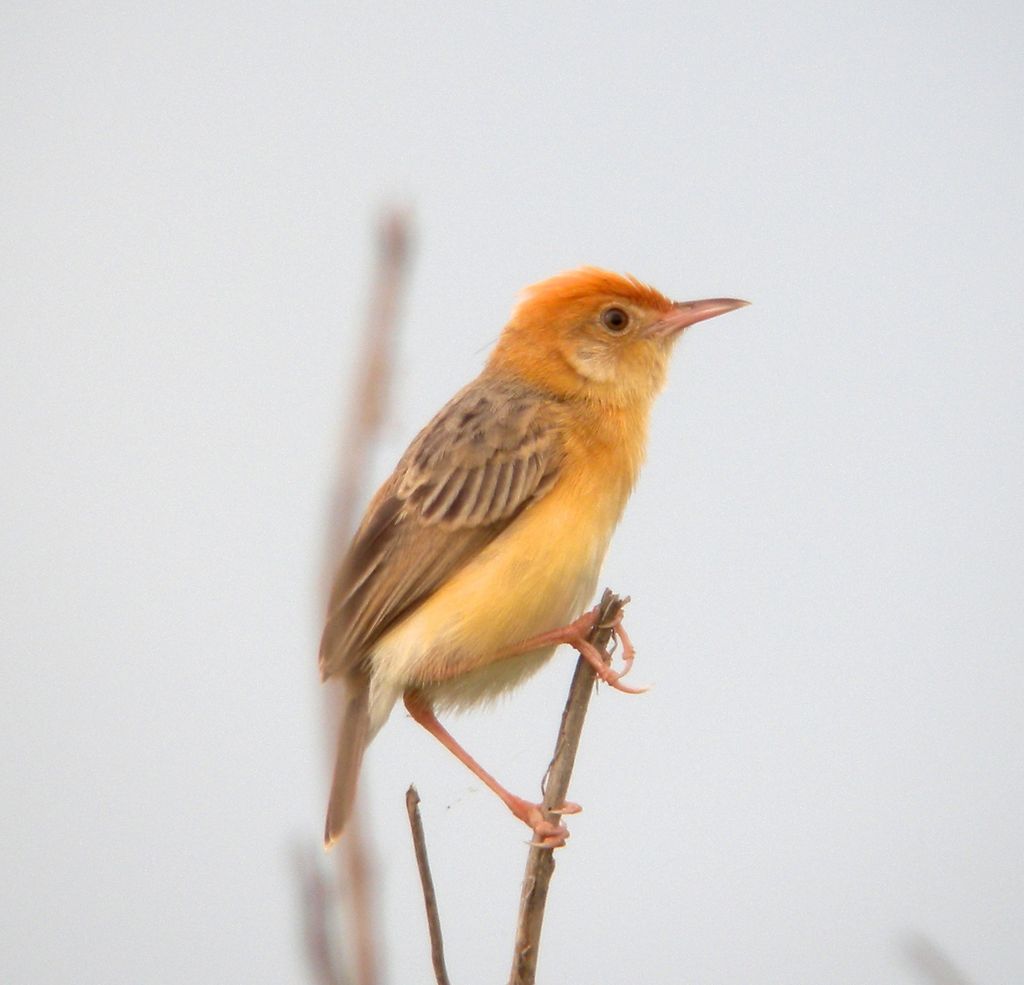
(687, 313)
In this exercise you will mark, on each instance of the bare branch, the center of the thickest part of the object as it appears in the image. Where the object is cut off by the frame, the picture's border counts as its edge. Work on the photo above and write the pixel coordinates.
(412, 805)
(540, 864)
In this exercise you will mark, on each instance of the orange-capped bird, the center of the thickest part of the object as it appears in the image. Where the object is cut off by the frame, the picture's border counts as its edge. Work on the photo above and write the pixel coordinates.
(492, 529)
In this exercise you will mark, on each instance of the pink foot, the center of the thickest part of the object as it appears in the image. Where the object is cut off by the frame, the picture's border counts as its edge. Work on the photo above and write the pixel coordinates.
(576, 634)
(546, 834)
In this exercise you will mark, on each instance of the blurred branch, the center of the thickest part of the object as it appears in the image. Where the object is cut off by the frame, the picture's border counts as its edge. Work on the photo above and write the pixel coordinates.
(354, 872)
(540, 864)
(315, 907)
(932, 964)
(365, 412)
(368, 399)
(412, 805)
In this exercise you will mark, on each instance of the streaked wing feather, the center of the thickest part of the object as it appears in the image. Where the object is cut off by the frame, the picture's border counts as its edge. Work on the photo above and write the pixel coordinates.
(491, 452)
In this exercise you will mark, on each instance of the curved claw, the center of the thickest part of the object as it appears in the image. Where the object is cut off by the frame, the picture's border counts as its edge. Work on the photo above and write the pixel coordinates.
(628, 650)
(613, 679)
(604, 672)
(567, 808)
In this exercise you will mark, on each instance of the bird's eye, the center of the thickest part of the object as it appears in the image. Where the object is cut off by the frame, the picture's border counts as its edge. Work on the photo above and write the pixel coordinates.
(614, 319)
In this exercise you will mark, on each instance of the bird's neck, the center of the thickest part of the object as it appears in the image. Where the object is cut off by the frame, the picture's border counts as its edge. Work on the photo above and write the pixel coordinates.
(606, 426)
(612, 437)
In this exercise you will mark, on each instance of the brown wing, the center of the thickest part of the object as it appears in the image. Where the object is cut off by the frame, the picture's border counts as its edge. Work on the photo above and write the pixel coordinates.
(491, 452)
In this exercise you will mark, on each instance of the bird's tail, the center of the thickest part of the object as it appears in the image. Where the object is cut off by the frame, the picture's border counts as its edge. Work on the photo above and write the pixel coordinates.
(353, 737)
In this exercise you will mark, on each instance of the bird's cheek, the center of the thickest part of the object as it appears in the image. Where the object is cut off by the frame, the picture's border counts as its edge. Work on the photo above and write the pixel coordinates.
(592, 362)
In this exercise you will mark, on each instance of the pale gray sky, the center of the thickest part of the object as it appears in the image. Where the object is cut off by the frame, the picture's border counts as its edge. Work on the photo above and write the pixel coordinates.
(825, 550)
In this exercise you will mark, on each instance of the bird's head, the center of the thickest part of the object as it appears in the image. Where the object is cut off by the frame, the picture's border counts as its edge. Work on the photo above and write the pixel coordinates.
(597, 335)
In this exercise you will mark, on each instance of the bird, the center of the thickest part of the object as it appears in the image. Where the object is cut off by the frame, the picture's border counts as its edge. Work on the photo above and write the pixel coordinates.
(477, 555)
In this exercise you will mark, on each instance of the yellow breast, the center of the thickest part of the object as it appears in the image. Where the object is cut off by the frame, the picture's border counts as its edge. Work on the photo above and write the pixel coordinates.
(538, 575)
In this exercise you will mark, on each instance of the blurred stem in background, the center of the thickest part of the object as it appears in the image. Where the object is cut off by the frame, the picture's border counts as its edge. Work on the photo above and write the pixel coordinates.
(349, 930)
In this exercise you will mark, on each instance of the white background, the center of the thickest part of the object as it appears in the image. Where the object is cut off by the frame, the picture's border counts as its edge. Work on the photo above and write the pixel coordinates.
(825, 550)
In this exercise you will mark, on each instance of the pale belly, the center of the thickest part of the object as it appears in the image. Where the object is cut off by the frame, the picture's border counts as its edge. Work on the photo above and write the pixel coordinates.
(540, 574)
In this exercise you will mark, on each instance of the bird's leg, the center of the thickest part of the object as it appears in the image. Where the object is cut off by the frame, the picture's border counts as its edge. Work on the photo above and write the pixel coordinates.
(575, 634)
(545, 834)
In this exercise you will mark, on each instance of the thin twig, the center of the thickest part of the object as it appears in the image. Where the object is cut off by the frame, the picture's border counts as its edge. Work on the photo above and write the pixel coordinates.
(540, 864)
(419, 841)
